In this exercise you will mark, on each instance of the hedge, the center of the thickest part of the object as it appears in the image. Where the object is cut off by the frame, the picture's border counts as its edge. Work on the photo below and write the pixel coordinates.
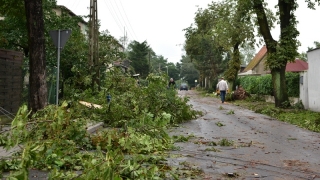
(263, 84)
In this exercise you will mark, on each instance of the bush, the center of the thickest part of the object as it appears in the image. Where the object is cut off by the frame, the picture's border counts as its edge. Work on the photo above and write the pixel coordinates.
(263, 84)
(292, 81)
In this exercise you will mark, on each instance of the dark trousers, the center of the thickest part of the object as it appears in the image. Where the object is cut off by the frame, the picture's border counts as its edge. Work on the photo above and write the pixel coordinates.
(222, 96)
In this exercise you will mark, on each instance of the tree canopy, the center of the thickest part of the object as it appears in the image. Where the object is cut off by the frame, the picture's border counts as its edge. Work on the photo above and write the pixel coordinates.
(138, 55)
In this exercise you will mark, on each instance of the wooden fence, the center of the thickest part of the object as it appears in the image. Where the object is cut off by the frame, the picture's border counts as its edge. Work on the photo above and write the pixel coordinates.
(10, 79)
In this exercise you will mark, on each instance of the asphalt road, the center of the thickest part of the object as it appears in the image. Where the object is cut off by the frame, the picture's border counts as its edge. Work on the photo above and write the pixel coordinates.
(263, 148)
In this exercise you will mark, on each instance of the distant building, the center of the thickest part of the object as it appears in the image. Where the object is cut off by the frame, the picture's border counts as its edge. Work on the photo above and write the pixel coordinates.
(297, 66)
(83, 25)
(242, 67)
(257, 65)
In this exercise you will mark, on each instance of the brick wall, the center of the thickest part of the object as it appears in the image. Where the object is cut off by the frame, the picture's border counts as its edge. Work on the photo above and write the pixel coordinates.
(10, 79)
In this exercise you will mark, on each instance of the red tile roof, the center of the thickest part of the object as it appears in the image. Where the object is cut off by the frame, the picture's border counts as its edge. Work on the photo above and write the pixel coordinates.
(297, 66)
(255, 61)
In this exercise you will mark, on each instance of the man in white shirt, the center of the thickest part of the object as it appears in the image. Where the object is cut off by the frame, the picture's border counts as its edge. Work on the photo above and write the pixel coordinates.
(223, 88)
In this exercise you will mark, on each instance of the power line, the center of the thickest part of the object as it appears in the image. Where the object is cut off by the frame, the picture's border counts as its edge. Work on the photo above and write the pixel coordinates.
(67, 4)
(115, 19)
(128, 20)
(123, 21)
(77, 5)
(77, 1)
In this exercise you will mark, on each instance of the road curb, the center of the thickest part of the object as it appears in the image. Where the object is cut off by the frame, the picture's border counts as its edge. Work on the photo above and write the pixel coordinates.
(94, 128)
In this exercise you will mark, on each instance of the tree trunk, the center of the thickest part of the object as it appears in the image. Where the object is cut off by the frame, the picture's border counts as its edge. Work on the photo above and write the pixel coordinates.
(37, 59)
(279, 86)
(234, 66)
(276, 64)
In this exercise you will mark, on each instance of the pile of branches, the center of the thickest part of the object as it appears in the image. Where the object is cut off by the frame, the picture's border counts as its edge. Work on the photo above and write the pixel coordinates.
(240, 94)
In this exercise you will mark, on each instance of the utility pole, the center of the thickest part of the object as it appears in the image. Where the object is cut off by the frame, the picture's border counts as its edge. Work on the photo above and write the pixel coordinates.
(94, 43)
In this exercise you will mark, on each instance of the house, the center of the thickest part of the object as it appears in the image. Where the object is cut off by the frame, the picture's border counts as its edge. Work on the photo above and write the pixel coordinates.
(242, 67)
(62, 10)
(309, 87)
(297, 66)
(59, 10)
(123, 64)
(309, 83)
(257, 64)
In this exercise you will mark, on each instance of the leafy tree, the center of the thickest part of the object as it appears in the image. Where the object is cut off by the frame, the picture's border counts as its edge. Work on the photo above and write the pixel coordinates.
(73, 66)
(138, 55)
(159, 65)
(173, 72)
(303, 55)
(110, 50)
(247, 52)
(231, 31)
(188, 71)
(15, 22)
(69, 61)
(12, 25)
(200, 46)
(285, 49)
(158, 62)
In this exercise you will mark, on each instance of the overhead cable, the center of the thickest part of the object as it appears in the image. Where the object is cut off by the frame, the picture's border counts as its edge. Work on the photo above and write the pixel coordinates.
(128, 20)
(123, 18)
(113, 16)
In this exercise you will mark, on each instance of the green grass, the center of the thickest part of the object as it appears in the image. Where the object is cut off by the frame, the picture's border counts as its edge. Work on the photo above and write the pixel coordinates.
(230, 112)
(303, 118)
(225, 142)
(219, 124)
(212, 149)
(182, 138)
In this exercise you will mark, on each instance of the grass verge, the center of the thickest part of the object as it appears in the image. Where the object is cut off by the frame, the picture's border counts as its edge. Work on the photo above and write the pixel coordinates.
(300, 117)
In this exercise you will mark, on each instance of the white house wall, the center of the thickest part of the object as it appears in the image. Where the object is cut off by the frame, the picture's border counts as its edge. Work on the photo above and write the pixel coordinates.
(304, 89)
(83, 28)
(313, 80)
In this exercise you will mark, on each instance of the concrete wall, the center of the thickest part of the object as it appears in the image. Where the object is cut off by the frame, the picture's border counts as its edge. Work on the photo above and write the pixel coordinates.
(313, 80)
(271, 99)
(304, 89)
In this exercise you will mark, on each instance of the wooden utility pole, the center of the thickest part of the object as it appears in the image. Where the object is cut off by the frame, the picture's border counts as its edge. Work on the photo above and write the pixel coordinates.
(94, 43)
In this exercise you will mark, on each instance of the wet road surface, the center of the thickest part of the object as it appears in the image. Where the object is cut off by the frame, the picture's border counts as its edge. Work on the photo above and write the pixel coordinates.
(263, 148)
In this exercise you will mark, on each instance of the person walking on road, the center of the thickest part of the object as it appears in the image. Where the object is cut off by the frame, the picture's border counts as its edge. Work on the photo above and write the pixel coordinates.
(222, 86)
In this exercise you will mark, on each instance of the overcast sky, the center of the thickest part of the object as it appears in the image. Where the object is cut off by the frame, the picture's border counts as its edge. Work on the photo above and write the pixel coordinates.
(161, 22)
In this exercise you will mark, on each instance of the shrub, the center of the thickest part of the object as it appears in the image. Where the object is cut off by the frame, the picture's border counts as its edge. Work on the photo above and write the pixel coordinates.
(263, 84)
